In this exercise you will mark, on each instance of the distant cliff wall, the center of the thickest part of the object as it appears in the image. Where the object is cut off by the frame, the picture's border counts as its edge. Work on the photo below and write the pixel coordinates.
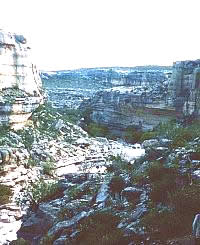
(123, 107)
(151, 99)
(67, 89)
(20, 83)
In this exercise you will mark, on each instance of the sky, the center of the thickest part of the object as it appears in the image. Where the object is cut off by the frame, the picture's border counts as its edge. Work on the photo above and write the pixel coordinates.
(71, 34)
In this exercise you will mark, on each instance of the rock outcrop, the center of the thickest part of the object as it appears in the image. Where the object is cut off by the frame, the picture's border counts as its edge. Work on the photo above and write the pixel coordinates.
(58, 221)
(123, 107)
(20, 83)
(151, 99)
(33, 154)
(185, 87)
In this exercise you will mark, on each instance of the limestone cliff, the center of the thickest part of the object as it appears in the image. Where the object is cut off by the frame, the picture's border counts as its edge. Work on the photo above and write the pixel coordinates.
(124, 107)
(152, 102)
(20, 83)
(68, 88)
(185, 86)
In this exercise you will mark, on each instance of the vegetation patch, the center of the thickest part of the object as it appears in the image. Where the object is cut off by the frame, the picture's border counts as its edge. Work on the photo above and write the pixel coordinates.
(97, 130)
(20, 241)
(5, 194)
(38, 192)
(100, 229)
(133, 135)
(173, 203)
(48, 167)
(9, 95)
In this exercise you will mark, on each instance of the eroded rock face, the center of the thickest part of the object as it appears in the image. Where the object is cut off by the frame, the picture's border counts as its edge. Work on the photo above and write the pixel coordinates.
(20, 83)
(186, 85)
(123, 107)
(145, 103)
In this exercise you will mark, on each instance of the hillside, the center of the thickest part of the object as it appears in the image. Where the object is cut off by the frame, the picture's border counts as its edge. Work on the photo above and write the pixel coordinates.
(86, 191)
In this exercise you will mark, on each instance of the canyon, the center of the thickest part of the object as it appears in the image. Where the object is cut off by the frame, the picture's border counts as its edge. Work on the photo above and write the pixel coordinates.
(121, 98)
(57, 181)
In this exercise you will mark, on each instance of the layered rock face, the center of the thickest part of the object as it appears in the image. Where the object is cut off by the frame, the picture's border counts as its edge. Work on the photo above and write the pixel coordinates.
(151, 99)
(20, 83)
(67, 89)
(186, 87)
(123, 107)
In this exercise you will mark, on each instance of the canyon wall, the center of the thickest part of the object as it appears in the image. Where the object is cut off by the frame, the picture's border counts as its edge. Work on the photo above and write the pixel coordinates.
(124, 107)
(186, 87)
(20, 83)
(144, 102)
(67, 89)
(151, 98)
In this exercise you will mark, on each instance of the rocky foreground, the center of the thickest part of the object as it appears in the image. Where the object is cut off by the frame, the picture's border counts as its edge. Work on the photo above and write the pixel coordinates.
(60, 186)
(48, 149)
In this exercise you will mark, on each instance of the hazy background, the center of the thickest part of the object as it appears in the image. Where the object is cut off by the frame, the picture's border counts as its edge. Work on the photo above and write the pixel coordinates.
(67, 34)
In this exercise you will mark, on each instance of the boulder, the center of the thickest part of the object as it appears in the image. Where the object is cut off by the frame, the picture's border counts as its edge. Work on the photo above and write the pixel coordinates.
(37, 224)
(150, 143)
(103, 194)
(165, 142)
(130, 154)
(62, 240)
(34, 227)
(59, 124)
(60, 226)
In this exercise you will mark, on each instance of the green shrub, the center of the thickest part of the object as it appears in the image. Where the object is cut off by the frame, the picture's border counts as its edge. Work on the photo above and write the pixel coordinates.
(167, 129)
(5, 194)
(179, 134)
(139, 178)
(133, 135)
(70, 115)
(163, 224)
(148, 135)
(48, 167)
(177, 219)
(38, 192)
(181, 138)
(44, 118)
(4, 130)
(186, 201)
(47, 240)
(20, 241)
(5, 140)
(119, 165)
(100, 229)
(27, 136)
(95, 130)
(30, 163)
(117, 184)
(163, 181)
(76, 192)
